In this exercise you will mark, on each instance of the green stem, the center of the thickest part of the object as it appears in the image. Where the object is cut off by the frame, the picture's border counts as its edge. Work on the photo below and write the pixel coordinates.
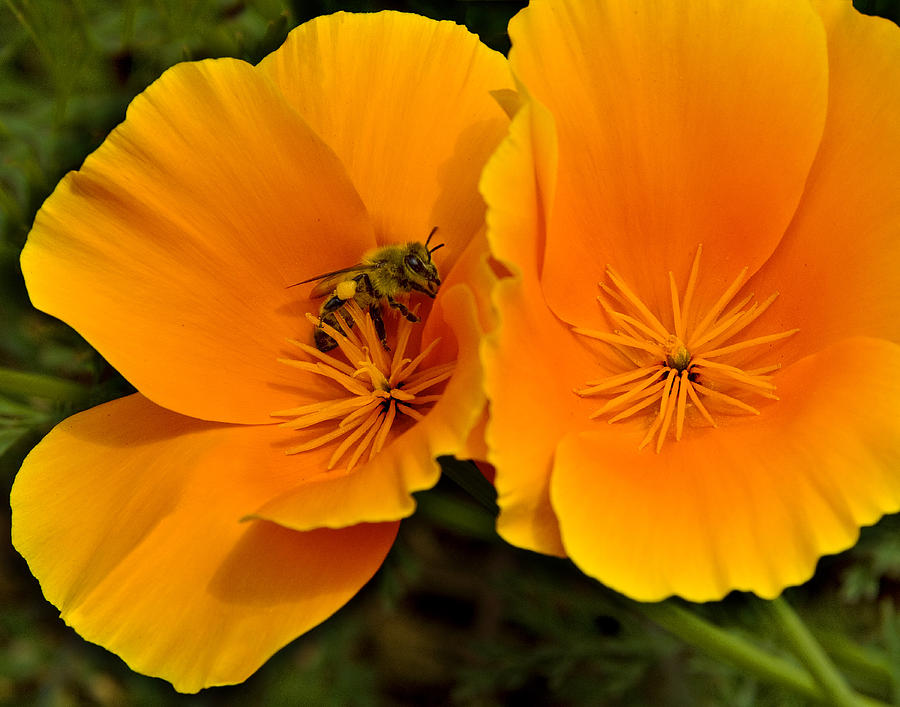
(719, 643)
(809, 651)
(891, 630)
(727, 646)
(41, 386)
(865, 667)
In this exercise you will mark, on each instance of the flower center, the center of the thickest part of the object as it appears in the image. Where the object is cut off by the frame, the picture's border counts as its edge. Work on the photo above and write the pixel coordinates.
(372, 387)
(683, 375)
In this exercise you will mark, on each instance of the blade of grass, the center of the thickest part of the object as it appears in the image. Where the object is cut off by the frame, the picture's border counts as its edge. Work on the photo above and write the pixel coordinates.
(19, 383)
(471, 480)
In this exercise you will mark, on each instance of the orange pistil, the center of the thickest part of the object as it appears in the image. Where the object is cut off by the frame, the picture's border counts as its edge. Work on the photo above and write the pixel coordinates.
(679, 370)
(377, 385)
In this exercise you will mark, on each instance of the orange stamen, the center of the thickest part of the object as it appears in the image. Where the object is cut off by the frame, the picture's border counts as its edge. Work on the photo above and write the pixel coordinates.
(371, 387)
(676, 369)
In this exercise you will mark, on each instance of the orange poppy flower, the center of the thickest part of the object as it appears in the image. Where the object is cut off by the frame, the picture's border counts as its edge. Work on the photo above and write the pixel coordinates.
(183, 527)
(699, 206)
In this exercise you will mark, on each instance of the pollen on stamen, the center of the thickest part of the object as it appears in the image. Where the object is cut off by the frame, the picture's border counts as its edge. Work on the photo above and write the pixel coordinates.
(373, 389)
(667, 374)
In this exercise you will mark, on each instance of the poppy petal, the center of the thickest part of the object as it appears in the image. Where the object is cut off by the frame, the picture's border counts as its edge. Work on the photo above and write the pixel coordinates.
(751, 505)
(698, 124)
(381, 489)
(837, 267)
(473, 273)
(171, 248)
(405, 103)
(129, 516)
(473, 270)
(529, 358)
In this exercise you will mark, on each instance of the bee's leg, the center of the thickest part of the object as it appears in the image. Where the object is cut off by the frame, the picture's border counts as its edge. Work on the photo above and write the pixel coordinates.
(364, 284)
(375, 313)
(403, 310)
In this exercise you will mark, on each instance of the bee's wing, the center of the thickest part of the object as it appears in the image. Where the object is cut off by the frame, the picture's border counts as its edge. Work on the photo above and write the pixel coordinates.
(327, 281)
(327, 284)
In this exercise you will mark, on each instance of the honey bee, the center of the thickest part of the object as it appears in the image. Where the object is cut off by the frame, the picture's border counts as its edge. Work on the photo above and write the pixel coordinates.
(383, 274)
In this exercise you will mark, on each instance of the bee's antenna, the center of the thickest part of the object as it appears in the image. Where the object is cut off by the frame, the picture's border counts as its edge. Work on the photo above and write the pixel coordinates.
(428, 240)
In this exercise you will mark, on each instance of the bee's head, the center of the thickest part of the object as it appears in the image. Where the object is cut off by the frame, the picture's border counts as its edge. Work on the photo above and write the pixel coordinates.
(418, 267)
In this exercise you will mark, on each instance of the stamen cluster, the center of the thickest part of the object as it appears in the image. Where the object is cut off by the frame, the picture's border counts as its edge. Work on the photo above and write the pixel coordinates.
(681, 368)
(374, 386)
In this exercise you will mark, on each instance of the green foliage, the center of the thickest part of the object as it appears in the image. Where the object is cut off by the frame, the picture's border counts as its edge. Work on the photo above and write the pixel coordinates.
(882, 8)
(455, 616)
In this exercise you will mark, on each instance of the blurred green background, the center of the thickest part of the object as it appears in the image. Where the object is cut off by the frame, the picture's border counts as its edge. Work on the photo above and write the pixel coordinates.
(521, 629)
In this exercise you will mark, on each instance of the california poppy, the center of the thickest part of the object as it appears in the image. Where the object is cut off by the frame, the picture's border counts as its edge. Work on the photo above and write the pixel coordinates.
(698, 204)
(200, 524)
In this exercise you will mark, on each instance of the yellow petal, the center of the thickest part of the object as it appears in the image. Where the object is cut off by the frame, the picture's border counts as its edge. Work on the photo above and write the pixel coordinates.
(837, 266)
(473, 271)
(405, 103)
(463, 317)
(679, 124)
(751, 505)
(531, 357)
(171, 248)
(129, 516)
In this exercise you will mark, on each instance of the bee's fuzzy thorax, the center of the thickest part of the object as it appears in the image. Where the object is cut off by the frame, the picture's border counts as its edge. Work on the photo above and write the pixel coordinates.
(385, 273)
